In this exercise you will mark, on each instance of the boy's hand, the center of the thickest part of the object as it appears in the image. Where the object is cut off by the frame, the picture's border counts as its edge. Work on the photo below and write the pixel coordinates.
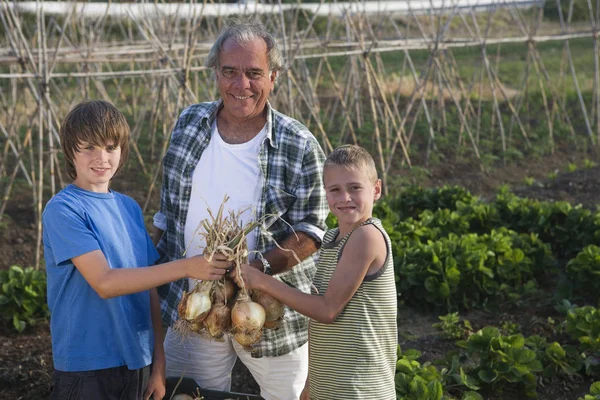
(201, 268)
(250, 275)
(156, 388)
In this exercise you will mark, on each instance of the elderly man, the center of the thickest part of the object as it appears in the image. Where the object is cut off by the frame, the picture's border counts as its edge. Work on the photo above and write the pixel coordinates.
(268, 164)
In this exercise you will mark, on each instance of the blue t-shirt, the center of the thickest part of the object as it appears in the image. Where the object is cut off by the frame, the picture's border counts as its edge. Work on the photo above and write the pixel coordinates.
(88, 332)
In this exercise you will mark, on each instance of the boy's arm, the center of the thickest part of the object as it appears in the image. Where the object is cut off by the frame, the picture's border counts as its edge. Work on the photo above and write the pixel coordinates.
(366, 247)
(157, 382)
(108, 282)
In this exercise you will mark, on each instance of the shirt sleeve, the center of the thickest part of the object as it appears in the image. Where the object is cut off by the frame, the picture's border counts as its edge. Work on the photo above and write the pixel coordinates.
(310, 210)
(66, 232)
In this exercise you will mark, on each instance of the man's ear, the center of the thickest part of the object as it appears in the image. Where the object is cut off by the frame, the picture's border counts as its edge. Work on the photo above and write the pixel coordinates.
(273, 76)
(377, 190)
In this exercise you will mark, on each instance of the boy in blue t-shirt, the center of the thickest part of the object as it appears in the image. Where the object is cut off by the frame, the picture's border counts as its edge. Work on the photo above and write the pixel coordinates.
(107, 338)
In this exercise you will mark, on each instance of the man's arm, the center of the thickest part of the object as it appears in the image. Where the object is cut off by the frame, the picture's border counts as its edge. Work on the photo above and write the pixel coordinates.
(156, 234)
(307, 215)
(297, 248)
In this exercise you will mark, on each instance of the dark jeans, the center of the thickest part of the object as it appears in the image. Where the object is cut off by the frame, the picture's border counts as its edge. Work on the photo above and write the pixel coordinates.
(117, 383)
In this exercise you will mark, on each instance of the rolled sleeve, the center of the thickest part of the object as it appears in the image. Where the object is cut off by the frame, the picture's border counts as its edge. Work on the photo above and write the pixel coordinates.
(160, 221)
(311, 230)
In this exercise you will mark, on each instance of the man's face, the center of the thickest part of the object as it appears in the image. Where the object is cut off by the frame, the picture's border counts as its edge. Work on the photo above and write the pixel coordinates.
(244, 79)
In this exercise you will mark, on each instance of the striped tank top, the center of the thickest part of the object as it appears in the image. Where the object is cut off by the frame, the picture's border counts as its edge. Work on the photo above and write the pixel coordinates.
(355, 356)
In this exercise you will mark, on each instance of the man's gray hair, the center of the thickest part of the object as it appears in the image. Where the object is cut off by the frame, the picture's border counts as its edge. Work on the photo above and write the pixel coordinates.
(244, 32)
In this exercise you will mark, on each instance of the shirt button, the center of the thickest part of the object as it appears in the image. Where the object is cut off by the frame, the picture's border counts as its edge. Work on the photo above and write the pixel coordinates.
(187, 192)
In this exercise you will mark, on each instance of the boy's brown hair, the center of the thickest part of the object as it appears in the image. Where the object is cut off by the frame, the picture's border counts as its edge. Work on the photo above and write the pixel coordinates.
(95, 122)
(353, 156)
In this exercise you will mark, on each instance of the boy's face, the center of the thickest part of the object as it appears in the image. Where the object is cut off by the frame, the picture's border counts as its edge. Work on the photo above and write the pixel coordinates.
(96, 165)
(350, 194)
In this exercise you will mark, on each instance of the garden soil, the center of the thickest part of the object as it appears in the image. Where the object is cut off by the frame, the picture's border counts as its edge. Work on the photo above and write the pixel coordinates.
(26, 358)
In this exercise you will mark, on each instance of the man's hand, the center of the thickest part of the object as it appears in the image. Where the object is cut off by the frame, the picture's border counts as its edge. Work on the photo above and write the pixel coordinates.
(200, 268)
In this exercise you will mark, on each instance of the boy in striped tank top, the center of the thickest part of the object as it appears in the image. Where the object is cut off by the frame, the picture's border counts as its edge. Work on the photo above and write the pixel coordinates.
(353, 308)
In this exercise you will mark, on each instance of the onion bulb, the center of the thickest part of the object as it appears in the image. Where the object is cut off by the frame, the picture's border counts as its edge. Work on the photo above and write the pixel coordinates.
(195, 305)
(275, 324)
(218, 320)
(247, 320)
(224, 290)
(274, 309)
(248, 338)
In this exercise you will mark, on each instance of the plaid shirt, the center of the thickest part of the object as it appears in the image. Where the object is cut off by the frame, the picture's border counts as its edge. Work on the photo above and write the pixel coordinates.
(291, 163)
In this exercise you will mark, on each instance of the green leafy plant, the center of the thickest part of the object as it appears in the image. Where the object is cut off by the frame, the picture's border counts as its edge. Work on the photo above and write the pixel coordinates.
(415, 380)
(571, 167)
(503, 359)
(588, 163)
(583, 324)
(452, 327)
(594, 393)
(556, 359)
(529, 181)
(22, 296)
(584, 270)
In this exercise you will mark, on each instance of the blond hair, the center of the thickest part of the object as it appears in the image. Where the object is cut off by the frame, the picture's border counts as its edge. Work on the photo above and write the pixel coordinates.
(353, 156)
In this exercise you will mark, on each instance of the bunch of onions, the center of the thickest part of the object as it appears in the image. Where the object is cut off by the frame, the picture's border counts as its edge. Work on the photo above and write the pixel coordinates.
(225, 235)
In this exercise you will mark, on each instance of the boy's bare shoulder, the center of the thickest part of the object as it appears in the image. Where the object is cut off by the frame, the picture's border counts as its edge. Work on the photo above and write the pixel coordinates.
(368, 236)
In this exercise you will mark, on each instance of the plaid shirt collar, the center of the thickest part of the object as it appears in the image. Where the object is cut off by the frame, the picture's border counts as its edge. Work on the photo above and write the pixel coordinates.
(285, 175)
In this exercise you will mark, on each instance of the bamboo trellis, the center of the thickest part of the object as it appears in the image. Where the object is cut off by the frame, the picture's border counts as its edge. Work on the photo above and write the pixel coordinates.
(392, 83)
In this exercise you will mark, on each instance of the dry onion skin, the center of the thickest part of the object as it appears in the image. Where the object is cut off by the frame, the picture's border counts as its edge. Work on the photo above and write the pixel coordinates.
(218, 321)
(247, 320)
(274, 309)
(193, 308)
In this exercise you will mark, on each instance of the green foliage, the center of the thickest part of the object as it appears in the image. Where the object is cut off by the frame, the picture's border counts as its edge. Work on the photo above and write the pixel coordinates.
(529, 181)
(566, 228)
(594, 393)
(571, 167)
(415, 199)
(22, 296)
(503, 359)
(415, 381)
(583, 325)
(556, 359)
(452, 327)
(584, 271)
(552, 175)
(470, 270)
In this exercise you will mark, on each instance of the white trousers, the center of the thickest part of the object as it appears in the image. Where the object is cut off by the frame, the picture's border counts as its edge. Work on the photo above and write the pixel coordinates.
(210, 362)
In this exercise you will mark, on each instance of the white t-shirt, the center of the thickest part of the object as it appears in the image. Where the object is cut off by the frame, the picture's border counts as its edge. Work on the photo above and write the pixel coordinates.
(223, 169)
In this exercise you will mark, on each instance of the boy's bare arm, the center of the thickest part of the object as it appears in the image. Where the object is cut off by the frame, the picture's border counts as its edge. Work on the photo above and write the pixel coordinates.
(365, 248)
(157, 382)
(108, 282)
